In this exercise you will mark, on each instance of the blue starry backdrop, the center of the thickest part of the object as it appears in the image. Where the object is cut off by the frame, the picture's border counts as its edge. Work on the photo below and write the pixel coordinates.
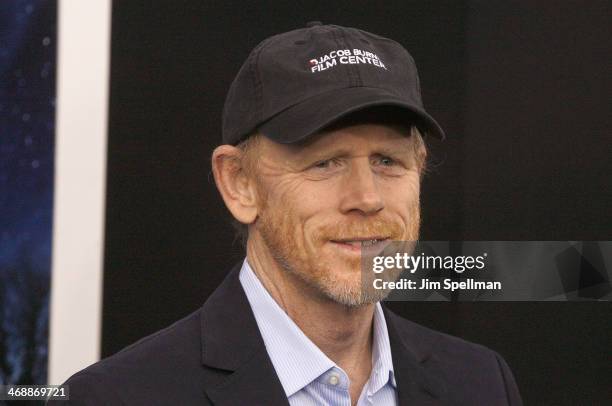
(27, 115)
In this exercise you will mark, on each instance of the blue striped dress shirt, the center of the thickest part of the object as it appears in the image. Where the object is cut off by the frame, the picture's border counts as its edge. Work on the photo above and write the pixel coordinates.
(307, 375)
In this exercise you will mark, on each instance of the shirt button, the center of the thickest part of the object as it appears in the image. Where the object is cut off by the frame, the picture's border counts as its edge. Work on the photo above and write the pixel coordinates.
(334, 379)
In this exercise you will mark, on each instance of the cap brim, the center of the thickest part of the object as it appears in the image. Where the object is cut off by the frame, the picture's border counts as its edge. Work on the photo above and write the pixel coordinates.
(310, 116)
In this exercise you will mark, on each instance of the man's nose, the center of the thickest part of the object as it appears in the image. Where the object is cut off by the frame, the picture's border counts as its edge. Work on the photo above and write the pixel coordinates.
(361, 188)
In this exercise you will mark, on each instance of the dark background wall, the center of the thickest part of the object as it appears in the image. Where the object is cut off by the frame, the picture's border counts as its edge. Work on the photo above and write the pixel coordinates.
(522, 89)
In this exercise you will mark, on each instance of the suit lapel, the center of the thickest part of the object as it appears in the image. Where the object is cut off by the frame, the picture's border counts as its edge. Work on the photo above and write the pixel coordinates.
(418, 382)
(238, 370)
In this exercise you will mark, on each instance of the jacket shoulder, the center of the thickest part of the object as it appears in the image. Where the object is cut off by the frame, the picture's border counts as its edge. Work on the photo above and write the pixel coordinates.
(473, 373)
(158, 369)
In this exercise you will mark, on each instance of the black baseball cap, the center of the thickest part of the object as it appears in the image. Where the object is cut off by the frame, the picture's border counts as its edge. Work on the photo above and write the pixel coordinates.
(294, 84)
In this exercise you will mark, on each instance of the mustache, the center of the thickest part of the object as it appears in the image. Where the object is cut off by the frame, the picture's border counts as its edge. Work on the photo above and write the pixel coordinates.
(375, 227)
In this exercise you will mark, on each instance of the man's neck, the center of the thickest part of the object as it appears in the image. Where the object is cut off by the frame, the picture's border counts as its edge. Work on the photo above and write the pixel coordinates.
(343, 333)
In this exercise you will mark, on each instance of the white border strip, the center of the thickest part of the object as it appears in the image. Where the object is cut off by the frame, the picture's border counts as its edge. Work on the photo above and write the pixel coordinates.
(80, 176)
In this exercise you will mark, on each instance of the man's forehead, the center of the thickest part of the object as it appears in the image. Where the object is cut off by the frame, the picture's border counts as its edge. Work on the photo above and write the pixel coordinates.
(352, 137)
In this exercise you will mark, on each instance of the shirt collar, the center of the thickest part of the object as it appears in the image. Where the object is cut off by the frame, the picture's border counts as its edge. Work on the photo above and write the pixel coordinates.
(382, 363)
(296, 359)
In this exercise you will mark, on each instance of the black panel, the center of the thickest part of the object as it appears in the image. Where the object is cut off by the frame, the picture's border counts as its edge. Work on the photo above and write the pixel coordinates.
(522, 91)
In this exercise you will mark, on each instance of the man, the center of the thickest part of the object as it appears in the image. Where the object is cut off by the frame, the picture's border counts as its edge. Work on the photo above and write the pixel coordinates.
(321, 161)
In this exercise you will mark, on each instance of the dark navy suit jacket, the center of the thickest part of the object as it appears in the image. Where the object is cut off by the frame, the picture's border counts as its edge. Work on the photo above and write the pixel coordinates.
(216, 356)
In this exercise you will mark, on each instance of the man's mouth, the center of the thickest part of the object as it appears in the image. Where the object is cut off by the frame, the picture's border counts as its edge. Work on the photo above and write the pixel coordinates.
(364, 245)
(357, 242)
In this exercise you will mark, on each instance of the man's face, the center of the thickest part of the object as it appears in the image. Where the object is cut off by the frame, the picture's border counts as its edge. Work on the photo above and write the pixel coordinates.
(322, 203)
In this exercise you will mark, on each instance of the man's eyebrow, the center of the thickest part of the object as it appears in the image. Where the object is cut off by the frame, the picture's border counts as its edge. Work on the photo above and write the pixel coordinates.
(309, 153)
(399, 149)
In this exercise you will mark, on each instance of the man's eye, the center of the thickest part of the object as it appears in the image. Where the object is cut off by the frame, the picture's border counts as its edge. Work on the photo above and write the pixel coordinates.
(386, 161)
(327, 163)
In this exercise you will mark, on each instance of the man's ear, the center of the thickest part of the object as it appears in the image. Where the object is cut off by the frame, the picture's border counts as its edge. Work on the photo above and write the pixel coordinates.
(237, 190)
